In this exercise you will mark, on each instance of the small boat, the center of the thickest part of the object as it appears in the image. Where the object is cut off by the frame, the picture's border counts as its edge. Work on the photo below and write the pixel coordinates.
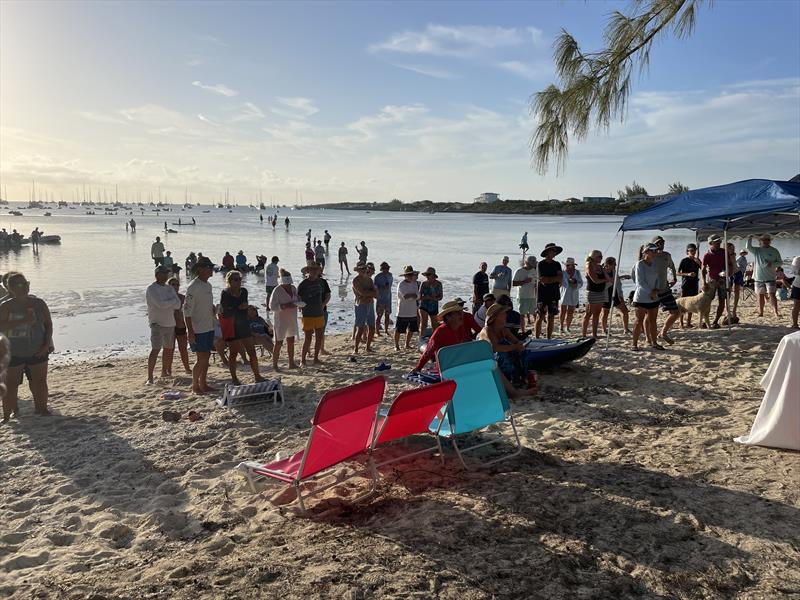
(16, 213)
(545, 354)
(172, 231)
(48, 214)
(541, 353)
(45, 239)
(183, 224)
(206, 211)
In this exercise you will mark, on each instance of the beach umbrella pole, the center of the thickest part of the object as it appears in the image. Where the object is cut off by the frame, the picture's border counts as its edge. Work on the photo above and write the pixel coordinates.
(727, 276)
(614, 290)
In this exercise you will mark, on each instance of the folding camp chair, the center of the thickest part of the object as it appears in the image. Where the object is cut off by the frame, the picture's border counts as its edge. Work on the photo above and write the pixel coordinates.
(341, 428)
(411, 413)
(480, 398)
(251, 393)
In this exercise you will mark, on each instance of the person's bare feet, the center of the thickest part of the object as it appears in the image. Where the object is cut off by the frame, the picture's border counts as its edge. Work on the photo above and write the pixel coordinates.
(44, 413)
(198, 390)
(325, 352)
(318, 362)
(259, 379)
(292, 365)
(235, 381)
(666, 338)
(397, 348)
(303, 363)
(409, 347)
(187, 371)
(149, 382)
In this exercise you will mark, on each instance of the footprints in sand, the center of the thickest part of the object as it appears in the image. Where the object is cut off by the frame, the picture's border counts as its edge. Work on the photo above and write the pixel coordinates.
(119, 534)
(26, 561)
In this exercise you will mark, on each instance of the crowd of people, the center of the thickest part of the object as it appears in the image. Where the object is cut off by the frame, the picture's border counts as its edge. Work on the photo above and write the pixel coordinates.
(545, 292)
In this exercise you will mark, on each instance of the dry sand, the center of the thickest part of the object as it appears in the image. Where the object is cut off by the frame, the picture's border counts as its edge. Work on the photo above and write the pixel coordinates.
(629, 486)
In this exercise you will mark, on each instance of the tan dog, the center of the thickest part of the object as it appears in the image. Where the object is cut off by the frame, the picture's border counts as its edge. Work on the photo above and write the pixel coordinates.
(701, 303)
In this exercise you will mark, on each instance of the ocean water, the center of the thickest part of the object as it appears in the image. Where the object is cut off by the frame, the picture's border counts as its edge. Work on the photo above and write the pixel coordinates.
(94, 281)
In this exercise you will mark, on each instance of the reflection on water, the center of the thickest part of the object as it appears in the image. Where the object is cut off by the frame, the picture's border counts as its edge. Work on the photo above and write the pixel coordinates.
(94, 281)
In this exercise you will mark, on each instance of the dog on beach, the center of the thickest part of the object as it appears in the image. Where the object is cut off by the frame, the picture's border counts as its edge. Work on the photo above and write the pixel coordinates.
(701, 303)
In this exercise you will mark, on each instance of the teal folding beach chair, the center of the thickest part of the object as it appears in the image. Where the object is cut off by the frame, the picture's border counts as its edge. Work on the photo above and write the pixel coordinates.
(479, 400)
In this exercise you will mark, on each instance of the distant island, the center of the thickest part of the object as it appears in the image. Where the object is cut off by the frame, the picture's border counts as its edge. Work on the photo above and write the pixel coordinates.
(501, 207)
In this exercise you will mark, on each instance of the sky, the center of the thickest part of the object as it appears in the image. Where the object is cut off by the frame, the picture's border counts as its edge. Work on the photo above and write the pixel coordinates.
(370, 101)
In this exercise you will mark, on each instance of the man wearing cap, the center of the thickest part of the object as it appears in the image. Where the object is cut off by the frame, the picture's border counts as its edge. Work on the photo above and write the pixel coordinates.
(549, 290)
(162, 302)
(689, 270)
(765, 259)
(526, 280)
(383, 305)
(502, 277)
(316, 293)
(365, 294)
(480, 287)
(449, 333)
(156, 251)
(663, 262)
(407, 320)
(198, 312)
(480, 314)
(713, 269)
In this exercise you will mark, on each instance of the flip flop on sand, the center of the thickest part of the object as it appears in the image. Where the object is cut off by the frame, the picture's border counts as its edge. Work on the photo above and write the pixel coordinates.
(383, 367)
(194, 416)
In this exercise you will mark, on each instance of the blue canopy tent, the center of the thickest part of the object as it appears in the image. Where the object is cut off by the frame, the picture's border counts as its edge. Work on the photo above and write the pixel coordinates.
(742, 208)
(748, 207)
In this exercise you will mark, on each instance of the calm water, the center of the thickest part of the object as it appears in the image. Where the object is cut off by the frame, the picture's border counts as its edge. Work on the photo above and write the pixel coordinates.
(94, 281)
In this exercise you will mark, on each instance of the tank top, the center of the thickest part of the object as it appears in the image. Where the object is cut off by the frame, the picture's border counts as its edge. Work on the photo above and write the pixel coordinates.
(25, 338)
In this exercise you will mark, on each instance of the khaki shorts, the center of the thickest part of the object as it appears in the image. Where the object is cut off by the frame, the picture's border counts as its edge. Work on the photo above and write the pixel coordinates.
(765, 287)
(161, 337)
(312, 323)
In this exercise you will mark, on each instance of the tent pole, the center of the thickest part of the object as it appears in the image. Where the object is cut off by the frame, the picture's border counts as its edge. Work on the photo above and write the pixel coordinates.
(614, 290)
(727, 276)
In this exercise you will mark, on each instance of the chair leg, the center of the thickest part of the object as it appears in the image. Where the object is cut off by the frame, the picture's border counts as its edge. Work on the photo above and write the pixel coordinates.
(441, 451)
(458, 453)
(299, 496)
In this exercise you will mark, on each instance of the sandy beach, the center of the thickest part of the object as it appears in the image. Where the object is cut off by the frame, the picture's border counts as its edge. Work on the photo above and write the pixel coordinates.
(629, 486)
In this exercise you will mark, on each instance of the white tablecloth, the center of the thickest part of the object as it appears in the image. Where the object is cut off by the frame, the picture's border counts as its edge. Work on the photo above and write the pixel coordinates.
(777, 423)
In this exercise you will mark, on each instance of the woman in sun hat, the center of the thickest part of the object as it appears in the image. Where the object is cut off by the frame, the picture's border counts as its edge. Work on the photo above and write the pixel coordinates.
(283, 305)
(449, 333)
(430, 293)
(596, 284)
(509, 352)
(571, 284)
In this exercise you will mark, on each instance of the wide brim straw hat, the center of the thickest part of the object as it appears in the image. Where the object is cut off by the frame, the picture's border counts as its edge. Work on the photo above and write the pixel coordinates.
(430, 271)
(449, 307)
(551, 246)
(493, 311)
(409, 270)
(311, 266)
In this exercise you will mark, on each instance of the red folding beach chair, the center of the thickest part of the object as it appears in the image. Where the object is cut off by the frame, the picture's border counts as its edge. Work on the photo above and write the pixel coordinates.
(412, 413)
(341, 428)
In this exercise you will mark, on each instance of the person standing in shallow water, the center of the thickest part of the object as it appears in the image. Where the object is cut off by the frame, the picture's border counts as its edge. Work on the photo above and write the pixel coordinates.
(343, 259)
(156, 250)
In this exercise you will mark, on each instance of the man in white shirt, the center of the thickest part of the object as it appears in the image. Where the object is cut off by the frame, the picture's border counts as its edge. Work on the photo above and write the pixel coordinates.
(157, 251)
(526, 280)
(162, 302)
(407, 296)
(502, 276)
(198, 311)
(271, 277)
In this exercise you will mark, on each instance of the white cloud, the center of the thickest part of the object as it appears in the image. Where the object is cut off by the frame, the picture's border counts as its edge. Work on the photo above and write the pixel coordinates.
(299, 107)
(101, 118)
(455, 41)
(429, 71)
(219, 88)
(247, 112)
(211, 40)
(205, 119)
(533, 71)
(194, 62)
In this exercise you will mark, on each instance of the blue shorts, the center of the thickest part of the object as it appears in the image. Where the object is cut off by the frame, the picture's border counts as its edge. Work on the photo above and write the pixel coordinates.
(203, 342)
(737, 278)
(365, 315)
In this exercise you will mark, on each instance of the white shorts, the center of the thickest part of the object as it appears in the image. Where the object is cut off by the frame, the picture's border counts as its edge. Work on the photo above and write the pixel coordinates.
(765, 287)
